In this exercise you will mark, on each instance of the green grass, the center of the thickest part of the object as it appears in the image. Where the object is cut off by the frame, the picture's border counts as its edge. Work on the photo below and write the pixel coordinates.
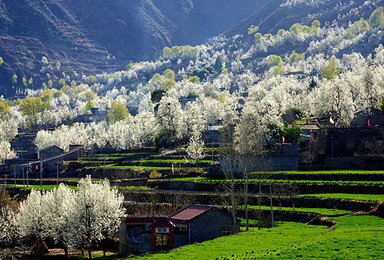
(176, 161)
(322, 211)
(91, 162)
(254, 243)
(124, 154)
(328, 172)
(140, 167)
(133, 188)
(208, 179)
(355, 237)
(363, 197)
(100, 162)
(100, 158)
(38, 187)
(358, 237)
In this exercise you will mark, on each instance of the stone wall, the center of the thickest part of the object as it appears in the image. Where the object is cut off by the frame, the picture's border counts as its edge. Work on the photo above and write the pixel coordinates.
(210, 225)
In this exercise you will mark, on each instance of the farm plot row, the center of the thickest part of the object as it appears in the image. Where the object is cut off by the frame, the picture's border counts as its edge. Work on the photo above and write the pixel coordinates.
(275, 180)
(341, 175)
(296, 188)
(309, 204)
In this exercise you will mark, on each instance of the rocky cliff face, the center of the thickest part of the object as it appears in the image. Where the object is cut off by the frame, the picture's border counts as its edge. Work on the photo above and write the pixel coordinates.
(91, 36)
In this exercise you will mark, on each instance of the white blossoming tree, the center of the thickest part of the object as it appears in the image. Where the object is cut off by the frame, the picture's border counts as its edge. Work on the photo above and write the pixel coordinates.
(195, 147)
(78, 219)
(98, 212)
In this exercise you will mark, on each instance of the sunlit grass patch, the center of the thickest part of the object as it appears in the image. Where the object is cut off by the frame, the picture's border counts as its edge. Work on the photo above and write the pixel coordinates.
(363, 197)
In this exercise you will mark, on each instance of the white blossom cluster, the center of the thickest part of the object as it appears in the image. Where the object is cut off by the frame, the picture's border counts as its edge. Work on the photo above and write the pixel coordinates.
(76, 219)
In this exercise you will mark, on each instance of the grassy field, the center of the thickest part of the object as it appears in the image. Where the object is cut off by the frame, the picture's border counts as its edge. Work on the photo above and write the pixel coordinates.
(363, 197)
(141, 167)
(322, 211)
(209, 179)
(329, 172)
(176, 161)
(355, 237)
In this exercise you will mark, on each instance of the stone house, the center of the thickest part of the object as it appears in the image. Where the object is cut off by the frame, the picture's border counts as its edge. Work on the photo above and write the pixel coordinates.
(368, 117)
(281, 157)
(194, 223)
(51, 159)
(346, 148)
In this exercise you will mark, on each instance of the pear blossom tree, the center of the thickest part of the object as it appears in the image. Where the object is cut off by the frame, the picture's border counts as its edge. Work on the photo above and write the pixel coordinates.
(8, 230)
(98, 212)
(30, 217)
(77, 219)
(58, 210)
(195, 151)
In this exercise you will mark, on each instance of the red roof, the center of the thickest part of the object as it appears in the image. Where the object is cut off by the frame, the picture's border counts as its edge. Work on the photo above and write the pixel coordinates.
(190, 212)
(151, 220)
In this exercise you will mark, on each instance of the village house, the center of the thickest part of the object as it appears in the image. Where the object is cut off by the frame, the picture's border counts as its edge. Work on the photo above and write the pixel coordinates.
(368, 117)
(194, 223)
(51, 159)
(47, 161)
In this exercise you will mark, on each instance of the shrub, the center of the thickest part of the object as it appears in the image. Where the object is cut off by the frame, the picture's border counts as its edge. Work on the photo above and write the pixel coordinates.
(155, 174)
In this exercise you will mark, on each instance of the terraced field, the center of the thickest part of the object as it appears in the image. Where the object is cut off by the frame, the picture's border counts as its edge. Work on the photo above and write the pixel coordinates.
(348, 197)
(148, 161)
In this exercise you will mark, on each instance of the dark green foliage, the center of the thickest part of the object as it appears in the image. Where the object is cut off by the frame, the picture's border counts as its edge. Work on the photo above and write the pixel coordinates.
(201, 73)
(218, 64)
(293, 134)
(293, 114)
(312, 84)
(192, 95)
(165, 139)
(156, 97)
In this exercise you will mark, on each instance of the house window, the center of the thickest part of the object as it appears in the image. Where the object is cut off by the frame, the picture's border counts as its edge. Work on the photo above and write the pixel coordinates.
(183, 228)
(133, 234)
(226, 231)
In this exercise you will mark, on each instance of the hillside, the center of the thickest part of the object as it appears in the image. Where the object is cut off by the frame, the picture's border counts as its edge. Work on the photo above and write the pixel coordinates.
(95, 36)
(283, 14)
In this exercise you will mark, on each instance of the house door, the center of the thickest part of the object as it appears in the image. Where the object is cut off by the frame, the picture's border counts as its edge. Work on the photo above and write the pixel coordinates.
(162, 238)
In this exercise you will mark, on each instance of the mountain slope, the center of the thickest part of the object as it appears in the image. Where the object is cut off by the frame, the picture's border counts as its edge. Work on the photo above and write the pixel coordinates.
(95, 36)
(279, 15)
